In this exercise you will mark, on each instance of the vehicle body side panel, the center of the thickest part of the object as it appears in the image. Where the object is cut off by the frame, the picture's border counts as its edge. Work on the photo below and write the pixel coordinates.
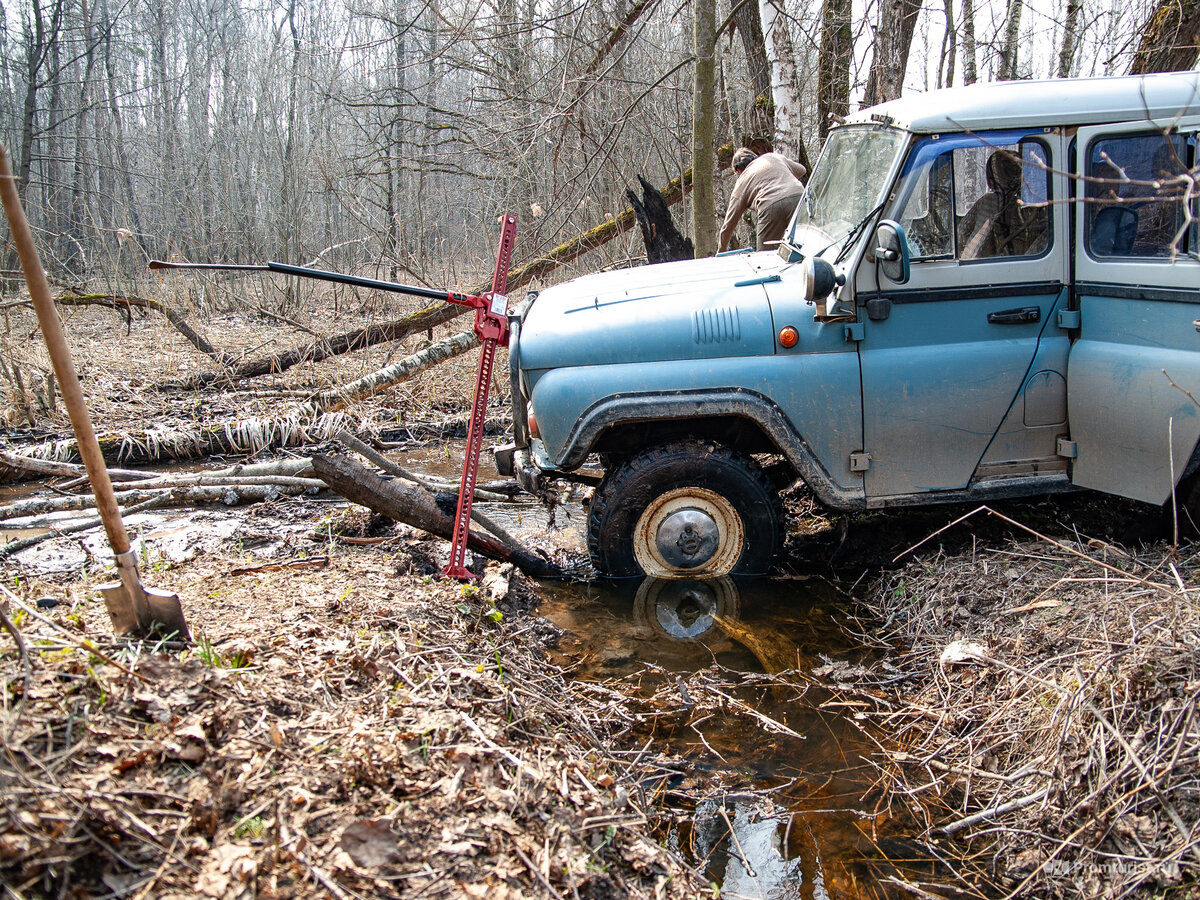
(938, 381)
(1027, 440)
(1138, 350)
(816, 393)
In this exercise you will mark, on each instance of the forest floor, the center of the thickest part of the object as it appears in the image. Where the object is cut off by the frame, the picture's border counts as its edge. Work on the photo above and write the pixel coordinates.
(347, 723)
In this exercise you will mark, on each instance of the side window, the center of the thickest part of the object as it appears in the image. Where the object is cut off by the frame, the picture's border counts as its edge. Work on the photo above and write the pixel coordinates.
(927, 219)
(1002, 200)
(979, 202)
(1135, 197)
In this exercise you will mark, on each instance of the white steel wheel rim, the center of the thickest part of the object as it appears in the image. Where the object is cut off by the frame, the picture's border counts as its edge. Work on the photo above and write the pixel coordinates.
(688, 512)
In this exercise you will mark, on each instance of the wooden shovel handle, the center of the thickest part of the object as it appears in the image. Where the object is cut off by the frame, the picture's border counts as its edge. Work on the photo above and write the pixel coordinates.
(60, 357)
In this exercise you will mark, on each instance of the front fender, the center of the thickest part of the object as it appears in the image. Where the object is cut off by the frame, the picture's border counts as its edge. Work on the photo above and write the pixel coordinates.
(808, 406)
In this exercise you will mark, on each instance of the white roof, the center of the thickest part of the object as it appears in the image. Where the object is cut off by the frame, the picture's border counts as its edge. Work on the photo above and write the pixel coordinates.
(1021, 104)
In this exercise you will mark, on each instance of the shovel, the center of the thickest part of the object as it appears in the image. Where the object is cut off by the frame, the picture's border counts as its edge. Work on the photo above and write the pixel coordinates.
(135, 610)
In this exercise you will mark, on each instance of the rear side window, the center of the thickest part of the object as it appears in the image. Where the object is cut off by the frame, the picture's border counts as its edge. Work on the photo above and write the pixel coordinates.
(984, 201)
(1136, 190)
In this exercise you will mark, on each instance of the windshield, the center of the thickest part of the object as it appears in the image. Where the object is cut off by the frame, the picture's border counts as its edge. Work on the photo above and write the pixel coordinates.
(850, 177)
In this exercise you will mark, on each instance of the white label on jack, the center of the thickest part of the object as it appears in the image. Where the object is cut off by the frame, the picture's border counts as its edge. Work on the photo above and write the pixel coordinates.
(499, 305)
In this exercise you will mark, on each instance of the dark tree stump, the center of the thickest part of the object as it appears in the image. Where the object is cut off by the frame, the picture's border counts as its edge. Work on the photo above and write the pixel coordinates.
(664, 242)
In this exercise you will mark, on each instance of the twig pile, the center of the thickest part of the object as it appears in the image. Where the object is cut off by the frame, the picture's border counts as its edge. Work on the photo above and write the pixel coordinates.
(1047, 707)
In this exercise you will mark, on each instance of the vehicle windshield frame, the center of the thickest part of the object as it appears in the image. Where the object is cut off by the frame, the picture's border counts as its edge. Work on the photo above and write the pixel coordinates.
(839, 193)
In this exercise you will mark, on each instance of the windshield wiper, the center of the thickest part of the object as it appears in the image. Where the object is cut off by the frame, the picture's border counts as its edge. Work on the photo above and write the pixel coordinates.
(852, 235)
(848, 241)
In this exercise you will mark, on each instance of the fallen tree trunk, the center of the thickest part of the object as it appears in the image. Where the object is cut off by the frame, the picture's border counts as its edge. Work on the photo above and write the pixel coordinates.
(304, 424)
(241, 437)
(35, 466)
(413, 506)
(324, 348)
(384, 378)
(228, 494)
(438, 313)
(352, 443)
(300, 466)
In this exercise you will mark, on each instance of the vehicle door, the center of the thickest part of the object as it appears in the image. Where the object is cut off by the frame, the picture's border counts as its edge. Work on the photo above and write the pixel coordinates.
(1134, 373)
(963, 364)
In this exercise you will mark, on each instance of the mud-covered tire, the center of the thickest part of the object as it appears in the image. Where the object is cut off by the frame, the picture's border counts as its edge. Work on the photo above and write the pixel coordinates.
(687, 509)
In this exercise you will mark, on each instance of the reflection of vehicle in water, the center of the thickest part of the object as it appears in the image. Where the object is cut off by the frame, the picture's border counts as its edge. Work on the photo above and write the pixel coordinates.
(685, 609)
(943, 322)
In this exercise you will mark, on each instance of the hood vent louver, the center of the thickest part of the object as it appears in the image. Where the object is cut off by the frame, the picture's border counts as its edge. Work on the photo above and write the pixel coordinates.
(712, 326)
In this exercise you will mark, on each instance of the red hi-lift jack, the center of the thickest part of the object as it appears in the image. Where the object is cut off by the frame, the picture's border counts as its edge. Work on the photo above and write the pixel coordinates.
(491, 326)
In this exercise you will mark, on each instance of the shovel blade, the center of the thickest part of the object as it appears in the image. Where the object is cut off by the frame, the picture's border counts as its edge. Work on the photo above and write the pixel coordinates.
(139, 611)
(122, 610)
(166, 614)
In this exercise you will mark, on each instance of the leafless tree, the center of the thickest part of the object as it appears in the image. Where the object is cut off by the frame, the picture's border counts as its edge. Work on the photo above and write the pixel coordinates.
(388, 135)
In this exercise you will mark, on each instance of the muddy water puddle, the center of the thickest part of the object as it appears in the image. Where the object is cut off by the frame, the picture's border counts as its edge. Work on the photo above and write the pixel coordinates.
(790, 808)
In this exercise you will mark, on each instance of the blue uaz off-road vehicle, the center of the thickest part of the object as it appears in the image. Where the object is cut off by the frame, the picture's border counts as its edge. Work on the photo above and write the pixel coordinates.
(985, 292)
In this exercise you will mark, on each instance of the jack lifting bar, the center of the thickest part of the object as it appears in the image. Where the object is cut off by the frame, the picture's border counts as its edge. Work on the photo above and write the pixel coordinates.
(491, 326)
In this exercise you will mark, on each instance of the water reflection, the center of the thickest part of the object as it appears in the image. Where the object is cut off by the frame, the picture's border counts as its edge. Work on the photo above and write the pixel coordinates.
(686, 609)
(756, 860)
(798, 818)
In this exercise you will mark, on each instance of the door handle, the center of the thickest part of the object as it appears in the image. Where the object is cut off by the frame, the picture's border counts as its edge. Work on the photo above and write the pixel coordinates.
(1022, 316)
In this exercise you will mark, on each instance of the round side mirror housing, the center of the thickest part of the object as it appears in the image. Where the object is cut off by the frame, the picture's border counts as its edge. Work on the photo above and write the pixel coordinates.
(820, 280)
(891, 251)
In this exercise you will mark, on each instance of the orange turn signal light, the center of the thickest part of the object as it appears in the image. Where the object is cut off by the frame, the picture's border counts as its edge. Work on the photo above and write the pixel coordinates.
(788, 337)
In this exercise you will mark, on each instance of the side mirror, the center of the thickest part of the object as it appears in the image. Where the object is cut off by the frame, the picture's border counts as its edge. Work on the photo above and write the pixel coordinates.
(891, 251)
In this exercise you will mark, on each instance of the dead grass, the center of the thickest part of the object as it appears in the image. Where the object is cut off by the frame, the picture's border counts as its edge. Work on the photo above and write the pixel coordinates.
(1044, 710)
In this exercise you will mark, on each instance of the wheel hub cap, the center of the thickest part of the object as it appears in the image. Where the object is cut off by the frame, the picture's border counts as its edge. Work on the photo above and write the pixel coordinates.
(687, 532)
(687, 538)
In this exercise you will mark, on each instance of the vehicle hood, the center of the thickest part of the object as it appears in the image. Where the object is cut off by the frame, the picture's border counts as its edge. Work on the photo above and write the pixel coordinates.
(696, 309)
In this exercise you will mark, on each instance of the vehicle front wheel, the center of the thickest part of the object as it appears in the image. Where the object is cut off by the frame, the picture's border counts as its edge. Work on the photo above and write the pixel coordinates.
(687, 509)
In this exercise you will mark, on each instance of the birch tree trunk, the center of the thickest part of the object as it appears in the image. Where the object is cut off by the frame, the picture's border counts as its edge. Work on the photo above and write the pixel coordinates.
(970, 73)
(364, 387)
(1008, 50)
(704, 111)
(760, 119)
(785, 82)
(1066, 55)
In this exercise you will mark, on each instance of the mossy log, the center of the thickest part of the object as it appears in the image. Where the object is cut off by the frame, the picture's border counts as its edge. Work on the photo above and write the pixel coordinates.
(411, 505)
